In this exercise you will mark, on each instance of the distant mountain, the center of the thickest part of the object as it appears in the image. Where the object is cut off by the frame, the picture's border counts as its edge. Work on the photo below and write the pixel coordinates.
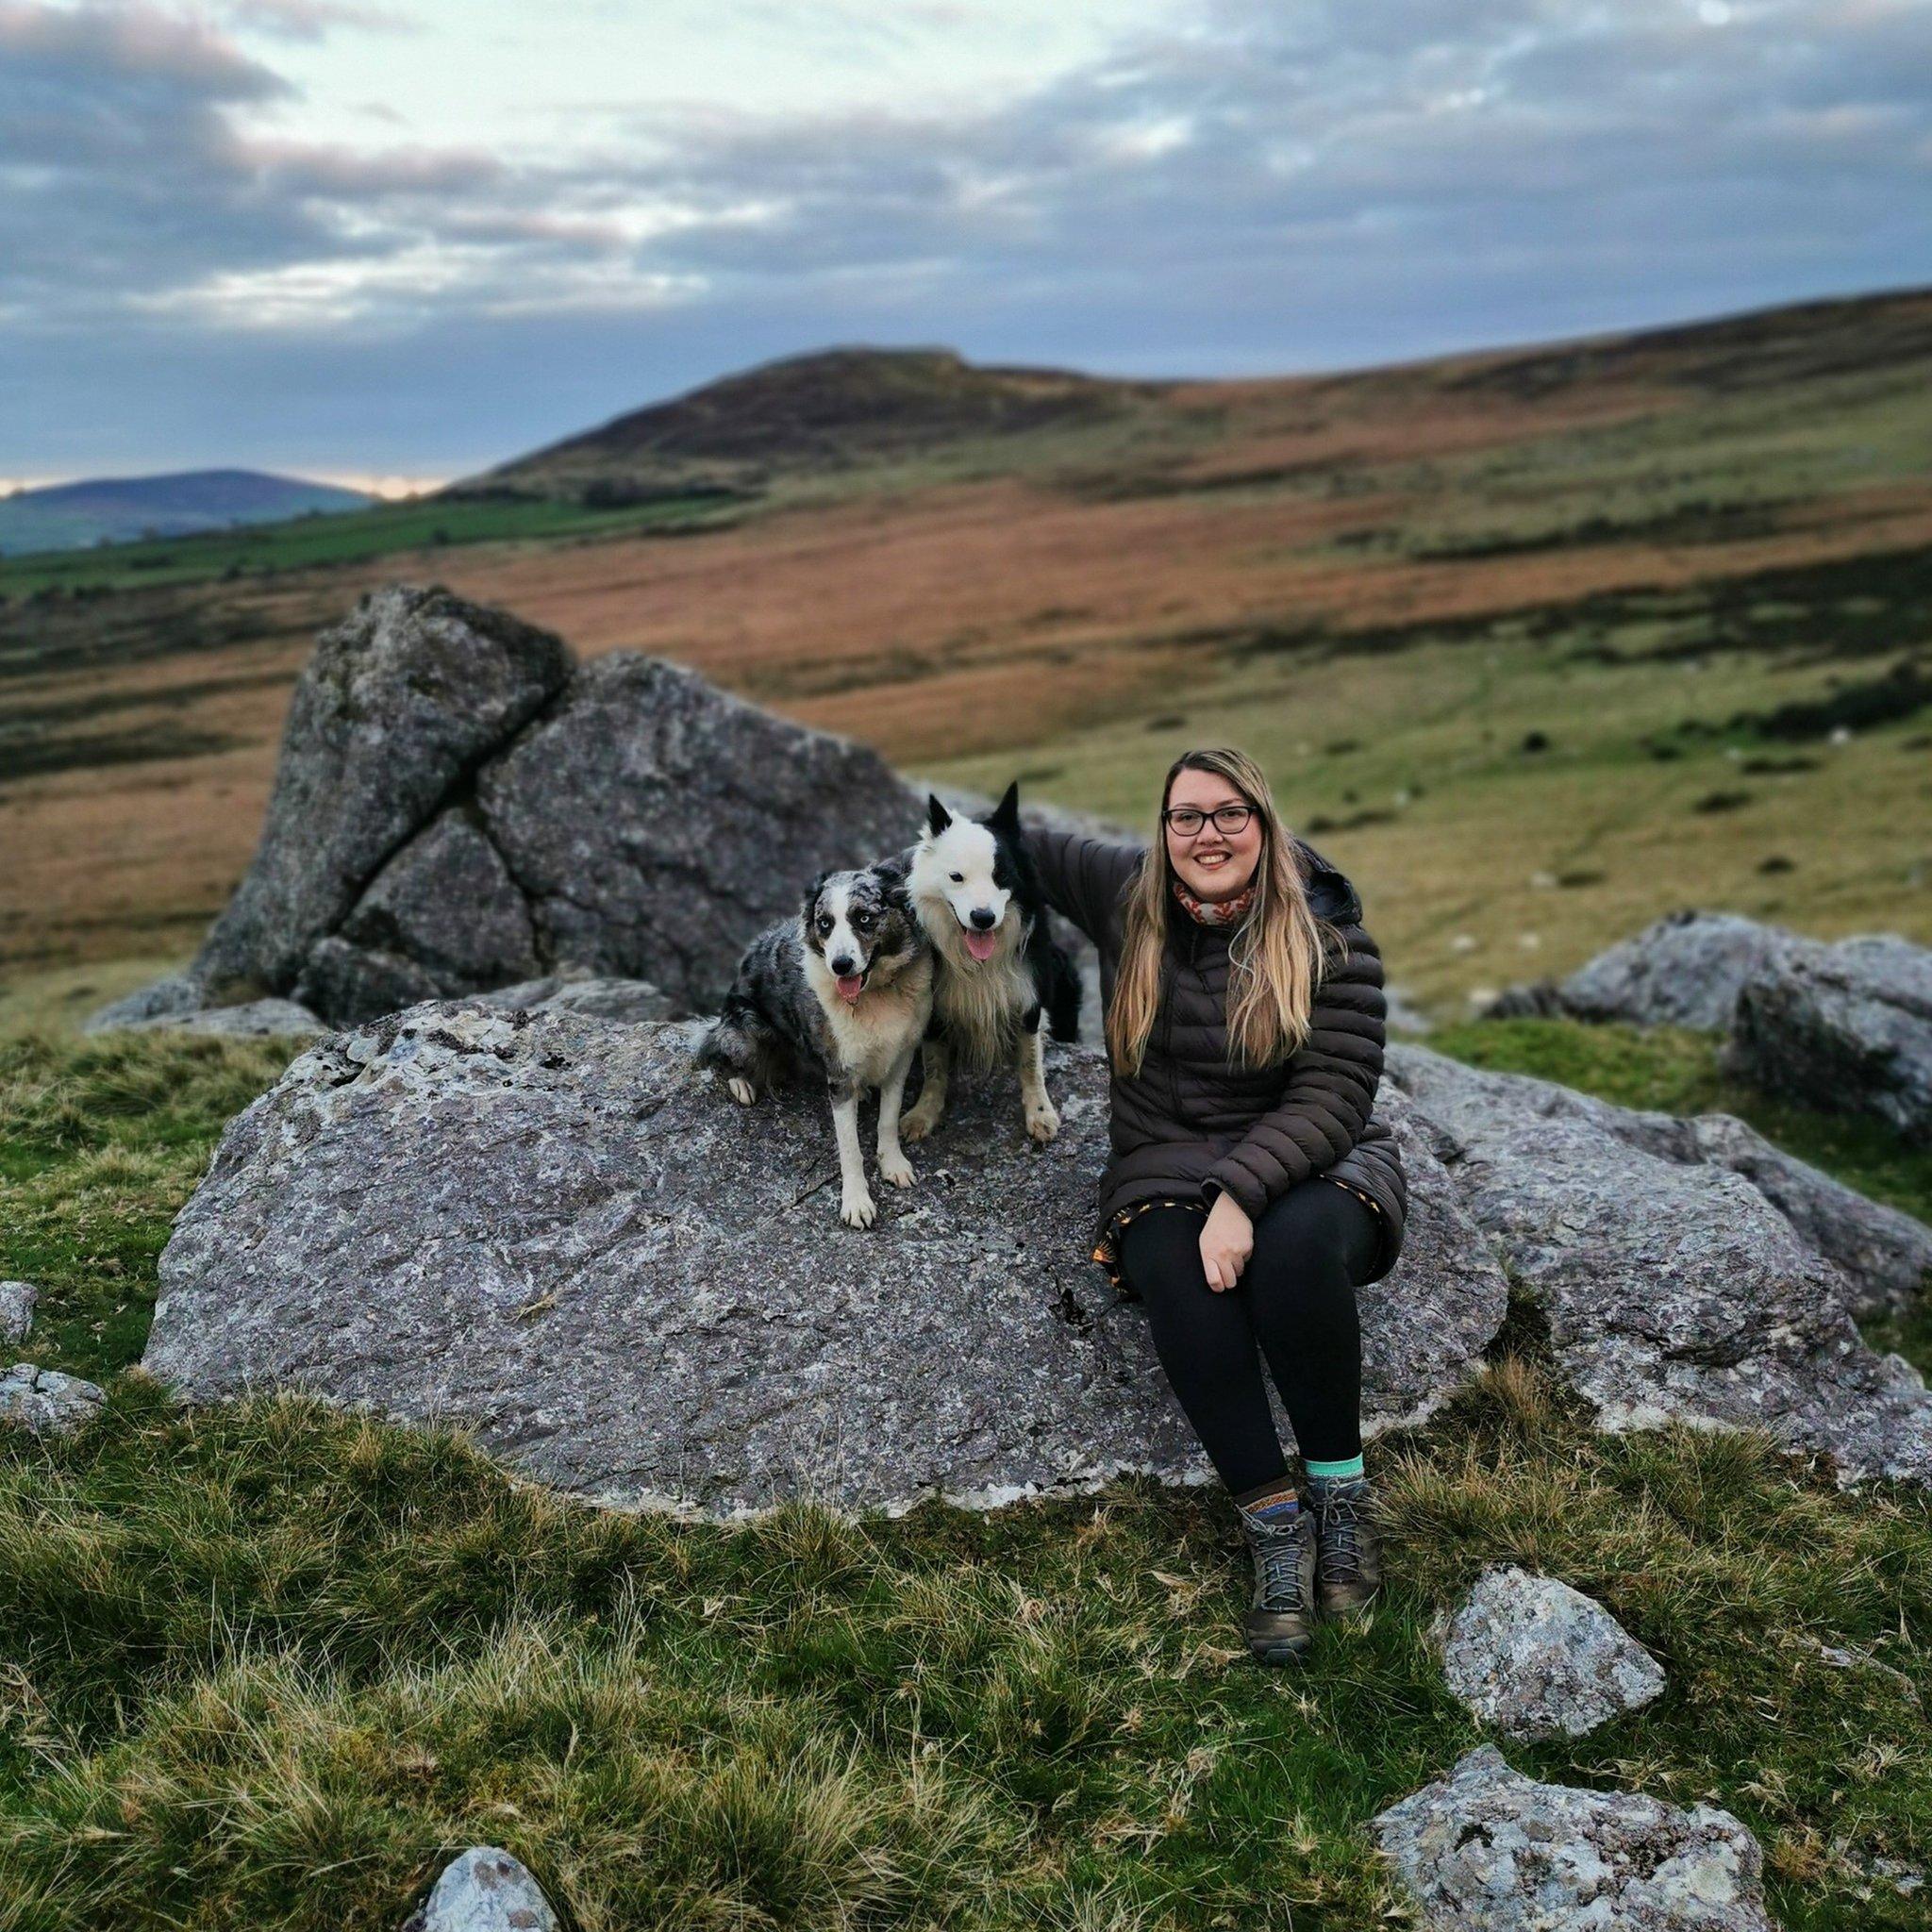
(831, 409)
(70, 516)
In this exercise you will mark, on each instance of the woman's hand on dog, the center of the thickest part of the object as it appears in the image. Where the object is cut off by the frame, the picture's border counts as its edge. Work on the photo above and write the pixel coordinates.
(1226, 1241)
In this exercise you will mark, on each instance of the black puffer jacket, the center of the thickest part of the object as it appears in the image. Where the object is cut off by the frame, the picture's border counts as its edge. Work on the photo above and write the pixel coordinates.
(1188, 1123)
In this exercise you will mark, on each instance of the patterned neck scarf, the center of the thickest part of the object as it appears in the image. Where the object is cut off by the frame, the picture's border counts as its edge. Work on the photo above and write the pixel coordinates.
(1220, 912)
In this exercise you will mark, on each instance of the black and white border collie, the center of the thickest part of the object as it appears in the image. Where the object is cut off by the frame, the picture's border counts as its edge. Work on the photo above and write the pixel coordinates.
(997, 969)
(844, 990)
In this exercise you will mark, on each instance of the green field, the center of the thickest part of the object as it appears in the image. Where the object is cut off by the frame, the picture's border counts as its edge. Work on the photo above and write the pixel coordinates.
(340, 537)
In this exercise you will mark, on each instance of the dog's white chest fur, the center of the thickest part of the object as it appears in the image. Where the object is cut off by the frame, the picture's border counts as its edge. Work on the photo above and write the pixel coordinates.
(868, 1037)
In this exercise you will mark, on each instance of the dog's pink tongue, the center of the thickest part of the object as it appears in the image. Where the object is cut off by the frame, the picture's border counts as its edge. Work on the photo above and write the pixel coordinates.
(849, 986)
(982, 945)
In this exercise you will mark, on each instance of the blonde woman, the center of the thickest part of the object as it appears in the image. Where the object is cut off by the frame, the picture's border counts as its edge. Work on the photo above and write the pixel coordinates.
(1250, 1189)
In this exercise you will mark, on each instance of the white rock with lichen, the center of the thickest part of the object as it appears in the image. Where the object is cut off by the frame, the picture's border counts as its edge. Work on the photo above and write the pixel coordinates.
(1533, 1657)
(17, 1299)
(1488, 1850)
(484, 1891)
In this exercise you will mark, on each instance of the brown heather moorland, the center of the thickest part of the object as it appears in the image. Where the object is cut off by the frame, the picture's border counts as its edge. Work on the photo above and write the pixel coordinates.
(1388, 584)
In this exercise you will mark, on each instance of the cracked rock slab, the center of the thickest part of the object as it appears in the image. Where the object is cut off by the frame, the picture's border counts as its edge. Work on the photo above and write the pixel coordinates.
(46, 1403)
(1488, 1850)
(656, 823)
(1532, 1657)
(1674, 1291)
(393, 709)
(550, 1229)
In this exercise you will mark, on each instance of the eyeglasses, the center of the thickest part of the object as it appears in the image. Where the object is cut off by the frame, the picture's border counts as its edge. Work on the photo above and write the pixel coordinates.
(1184, 821)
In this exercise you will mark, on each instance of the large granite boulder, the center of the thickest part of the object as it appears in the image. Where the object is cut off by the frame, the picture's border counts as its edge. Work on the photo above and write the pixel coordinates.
(1846, 1027)
(655, 823)
(549, 1228)
(1884, 1256)
(1671, 1289)
(1488, 1850)
(1685, 970)
(390, 717)
(1532, 1657)
(458, 808)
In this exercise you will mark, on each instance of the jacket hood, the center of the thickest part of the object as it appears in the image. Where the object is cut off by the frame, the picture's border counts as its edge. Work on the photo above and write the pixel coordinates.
(1330, 892)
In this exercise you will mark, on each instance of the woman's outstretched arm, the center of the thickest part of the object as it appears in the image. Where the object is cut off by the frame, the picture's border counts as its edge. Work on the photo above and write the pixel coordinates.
(1082, 876)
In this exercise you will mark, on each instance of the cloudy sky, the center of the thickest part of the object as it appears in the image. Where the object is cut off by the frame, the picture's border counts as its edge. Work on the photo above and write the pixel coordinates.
(408, 237)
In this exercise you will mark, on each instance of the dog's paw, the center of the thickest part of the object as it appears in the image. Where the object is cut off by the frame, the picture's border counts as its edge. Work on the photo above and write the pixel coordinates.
(1043, 1123)
(858, 1209)
(896, 1169)
(917, 1125)
(742, 1091)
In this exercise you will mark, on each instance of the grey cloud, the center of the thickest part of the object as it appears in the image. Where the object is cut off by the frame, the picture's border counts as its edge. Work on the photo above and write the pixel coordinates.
(1352, 182)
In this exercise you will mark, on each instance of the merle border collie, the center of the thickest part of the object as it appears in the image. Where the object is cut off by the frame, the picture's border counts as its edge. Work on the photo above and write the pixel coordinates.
(997, 969)
(844, 990)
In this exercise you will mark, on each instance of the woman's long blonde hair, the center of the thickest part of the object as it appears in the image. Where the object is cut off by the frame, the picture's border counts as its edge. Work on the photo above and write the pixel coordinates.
(1275, 961)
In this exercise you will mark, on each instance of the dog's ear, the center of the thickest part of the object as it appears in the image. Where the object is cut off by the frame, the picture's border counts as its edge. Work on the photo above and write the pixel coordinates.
(937, 817)
(1007, 813)
(809, 904)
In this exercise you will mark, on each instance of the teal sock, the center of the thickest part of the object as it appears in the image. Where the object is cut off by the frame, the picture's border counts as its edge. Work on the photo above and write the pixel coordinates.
(1333, 1471)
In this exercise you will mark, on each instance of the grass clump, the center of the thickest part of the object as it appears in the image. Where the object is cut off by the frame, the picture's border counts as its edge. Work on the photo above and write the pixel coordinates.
(271, 1665)
(102, 1140)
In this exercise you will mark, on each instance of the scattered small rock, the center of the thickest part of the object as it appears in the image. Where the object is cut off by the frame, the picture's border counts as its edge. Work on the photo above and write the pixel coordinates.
(17, 1299)
(484, 1891)
(45, 1401)
(1488, 1850)
(1533, 1657)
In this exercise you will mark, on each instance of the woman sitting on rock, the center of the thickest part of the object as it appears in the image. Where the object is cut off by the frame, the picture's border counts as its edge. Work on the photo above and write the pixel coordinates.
(1249, 1192)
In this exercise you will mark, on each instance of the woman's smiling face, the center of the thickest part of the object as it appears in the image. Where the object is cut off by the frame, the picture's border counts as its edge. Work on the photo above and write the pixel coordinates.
(1212, 864)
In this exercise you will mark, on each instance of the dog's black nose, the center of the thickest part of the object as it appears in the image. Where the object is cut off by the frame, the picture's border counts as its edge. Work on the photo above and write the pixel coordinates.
(843, 967)
(982, 918)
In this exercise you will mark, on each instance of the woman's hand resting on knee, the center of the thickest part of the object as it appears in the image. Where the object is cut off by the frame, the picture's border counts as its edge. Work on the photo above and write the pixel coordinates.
(1226, 1241)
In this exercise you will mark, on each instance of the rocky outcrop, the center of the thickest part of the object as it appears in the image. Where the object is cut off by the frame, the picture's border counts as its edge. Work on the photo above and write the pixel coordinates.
(550, 1229)
(458, 808)
(1684, 969)
(17, 1303)
(545, 1226)
(484, 1891)
(46, 1403)
(1671, 1288)
(1488, 1850)
(1845, 1027)
(1532, 1657)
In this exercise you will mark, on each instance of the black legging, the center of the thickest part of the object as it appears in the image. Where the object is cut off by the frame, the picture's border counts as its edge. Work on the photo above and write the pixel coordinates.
(1295, 1298)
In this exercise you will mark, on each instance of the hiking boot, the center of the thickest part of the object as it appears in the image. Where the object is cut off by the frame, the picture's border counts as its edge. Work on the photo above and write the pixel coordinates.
(1281, 1618)
(1348, 1547)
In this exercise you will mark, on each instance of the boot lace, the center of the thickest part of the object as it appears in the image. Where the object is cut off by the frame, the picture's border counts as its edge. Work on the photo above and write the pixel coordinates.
(1277, 1548)
(1338, 1545)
